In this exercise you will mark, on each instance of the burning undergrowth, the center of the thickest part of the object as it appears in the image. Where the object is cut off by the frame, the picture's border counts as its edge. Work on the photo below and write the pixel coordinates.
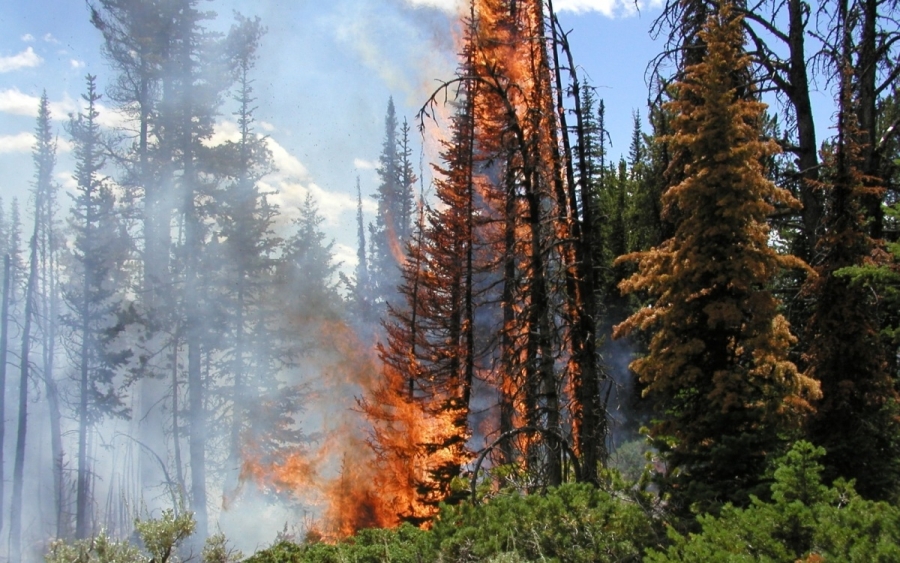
(366, 467)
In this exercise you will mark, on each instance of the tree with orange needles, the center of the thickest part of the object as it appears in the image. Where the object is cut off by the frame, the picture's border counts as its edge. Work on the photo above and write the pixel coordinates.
(430, 348)
(717, 360)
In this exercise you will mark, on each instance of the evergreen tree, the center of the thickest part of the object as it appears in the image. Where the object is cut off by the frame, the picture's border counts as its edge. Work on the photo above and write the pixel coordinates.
(431, 337)
(199, 75)
(140, 45)
(384, 241)
(394, 197)
(360, 298)
(43, 189)
(309, 257)
(717, 361)
(856, 420)
(407, 185)
(98, 316)
(248, 248)
(15, 250)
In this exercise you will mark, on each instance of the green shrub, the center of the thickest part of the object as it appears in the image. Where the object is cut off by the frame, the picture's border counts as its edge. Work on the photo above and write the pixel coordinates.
(406, 544)
(573, 523)
(160, 536)
(805, 521)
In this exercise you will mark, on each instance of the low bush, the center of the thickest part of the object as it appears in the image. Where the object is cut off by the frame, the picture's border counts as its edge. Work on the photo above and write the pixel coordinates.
(805, 521)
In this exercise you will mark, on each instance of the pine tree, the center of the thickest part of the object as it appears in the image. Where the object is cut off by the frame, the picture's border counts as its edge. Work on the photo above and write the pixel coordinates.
(385, 235)
(360, 298)
(98, 316)
(248, 252)
(431, 337)
(139, 43)
(188, 111)
(310, 260)
(407, 185)
(44, 156)
(717, 361)
(856, 420)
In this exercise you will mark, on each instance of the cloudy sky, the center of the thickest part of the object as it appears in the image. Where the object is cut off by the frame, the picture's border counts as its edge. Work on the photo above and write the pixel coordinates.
(325, 72)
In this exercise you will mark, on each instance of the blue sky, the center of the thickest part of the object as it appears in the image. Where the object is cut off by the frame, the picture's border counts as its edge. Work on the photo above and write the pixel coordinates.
(324, 75)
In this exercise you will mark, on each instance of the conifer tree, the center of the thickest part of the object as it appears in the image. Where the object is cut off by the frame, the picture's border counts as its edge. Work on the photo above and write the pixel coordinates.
(407, 185)
(139, 38)
(15, 249)
(188, 113)
(248, 247)
(310, 261)
(386, 241)
(360, 297)
(44, 156)
(98, 316)
(856, 419)
(431, 338)
(717, 359)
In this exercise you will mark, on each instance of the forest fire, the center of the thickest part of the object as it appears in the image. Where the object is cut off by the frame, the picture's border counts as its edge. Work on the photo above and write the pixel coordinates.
(190, 343)
(416, 401)
(351, 481)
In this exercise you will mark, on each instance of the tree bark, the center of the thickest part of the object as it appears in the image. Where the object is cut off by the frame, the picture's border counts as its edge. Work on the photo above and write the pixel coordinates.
(15, 521)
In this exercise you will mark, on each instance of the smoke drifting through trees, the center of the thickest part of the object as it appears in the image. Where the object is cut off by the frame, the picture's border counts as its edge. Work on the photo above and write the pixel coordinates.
(180, 347)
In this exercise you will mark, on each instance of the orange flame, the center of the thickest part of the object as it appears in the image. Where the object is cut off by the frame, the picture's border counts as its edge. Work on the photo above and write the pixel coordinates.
(354, 481)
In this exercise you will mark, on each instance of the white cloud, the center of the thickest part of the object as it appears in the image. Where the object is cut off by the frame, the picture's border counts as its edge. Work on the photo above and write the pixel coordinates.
(290, 183)
(27, 38)
(609, 8)
(449, 6)
(345, 255)
(289, 195)
(67, 181)
(26, 59)
(50, 39)
(266, 126)
(287, 164)
(21, 142)
(366, 164)
(223, 132)
(111, 118)
(76, 64)
(16, 102)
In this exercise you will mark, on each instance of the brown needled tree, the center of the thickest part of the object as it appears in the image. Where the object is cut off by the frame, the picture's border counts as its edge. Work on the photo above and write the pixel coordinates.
(717, 360)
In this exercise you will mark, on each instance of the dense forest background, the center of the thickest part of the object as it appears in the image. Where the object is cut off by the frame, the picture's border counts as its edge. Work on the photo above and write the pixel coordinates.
(665, 325)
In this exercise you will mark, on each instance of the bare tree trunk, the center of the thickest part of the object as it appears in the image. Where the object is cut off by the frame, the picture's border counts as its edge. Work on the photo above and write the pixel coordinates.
(508, 363)
(50, 306)
(176, 432)
(4, 332)
(590, 416)
(15, 521)
(82, 494)
(807, 147)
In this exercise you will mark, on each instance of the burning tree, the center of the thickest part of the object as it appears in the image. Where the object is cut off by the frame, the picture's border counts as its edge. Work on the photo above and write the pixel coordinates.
(498, 288)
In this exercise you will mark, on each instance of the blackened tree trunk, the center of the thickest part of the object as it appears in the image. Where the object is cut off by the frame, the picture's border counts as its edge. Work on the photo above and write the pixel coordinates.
(15, 521)
(4, 334)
